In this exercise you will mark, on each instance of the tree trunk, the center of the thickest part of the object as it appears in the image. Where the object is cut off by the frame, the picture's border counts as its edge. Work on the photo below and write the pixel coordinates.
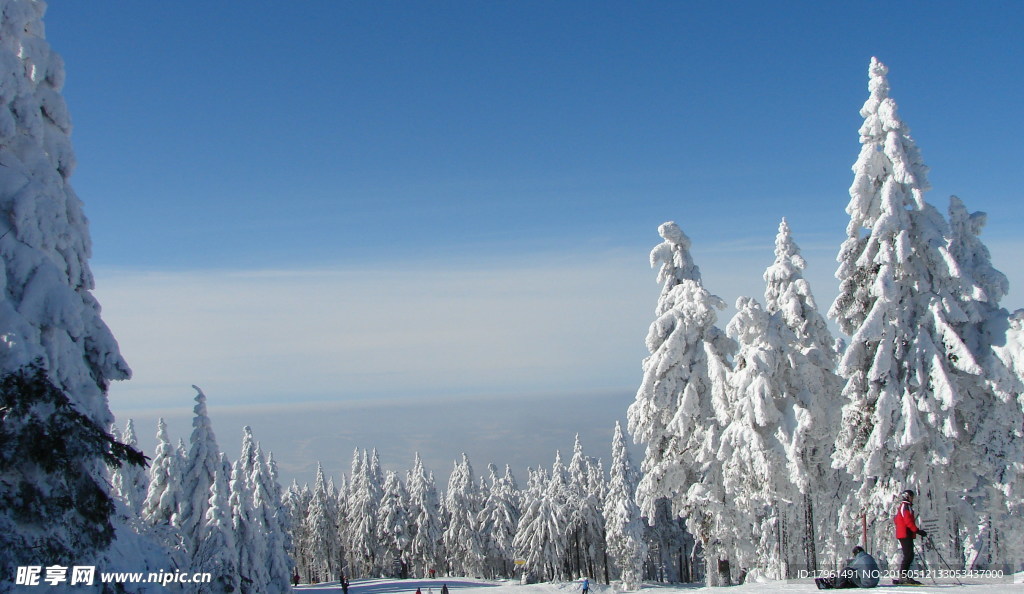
(724, 573)
(579, 557)
(810, 540)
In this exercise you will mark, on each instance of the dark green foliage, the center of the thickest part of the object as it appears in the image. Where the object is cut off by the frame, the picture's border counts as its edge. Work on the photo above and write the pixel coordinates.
(55, 506)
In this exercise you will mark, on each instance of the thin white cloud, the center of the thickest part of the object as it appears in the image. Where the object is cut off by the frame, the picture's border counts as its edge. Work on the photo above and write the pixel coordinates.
(271, 336)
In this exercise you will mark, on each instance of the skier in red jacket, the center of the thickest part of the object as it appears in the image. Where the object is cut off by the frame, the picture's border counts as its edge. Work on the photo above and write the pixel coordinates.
(906, 532)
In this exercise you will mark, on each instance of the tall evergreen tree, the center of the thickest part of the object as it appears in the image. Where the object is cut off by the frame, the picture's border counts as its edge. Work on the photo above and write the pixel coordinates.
(462, 508)
(276, 520)
(540, 538)
(57, 357)
(249, 457)
(681, 404)
(321, 539)
(130, 482)
(162, 507)
(393, 522)
(296, 500)
(988, 451)
(817, 390)
(899, 302)
(498, 521)
(585, 492)
(761, 470)
(250, 539)
(341, 523)
(198, 475)
(787, 295)
(424, 510)
(365, 493)
(216, 552)
(624, 525)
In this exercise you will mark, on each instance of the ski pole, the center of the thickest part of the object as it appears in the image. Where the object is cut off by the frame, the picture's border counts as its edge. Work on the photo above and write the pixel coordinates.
(942, 560)
(924, 562)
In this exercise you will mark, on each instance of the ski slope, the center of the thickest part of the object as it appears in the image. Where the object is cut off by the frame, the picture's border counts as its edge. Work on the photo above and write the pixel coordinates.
(1014, 584)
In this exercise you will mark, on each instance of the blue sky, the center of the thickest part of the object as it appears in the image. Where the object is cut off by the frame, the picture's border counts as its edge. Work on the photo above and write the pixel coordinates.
(338, 201)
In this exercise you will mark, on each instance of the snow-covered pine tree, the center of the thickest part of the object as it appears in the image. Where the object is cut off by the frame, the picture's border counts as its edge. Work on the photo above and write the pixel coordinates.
(424, 510)
(1011, 354)
(130, 482)
(461, 536)
(252, 523)
(393, 522)
(585, 492)
(483, 493)
(341, 522)
(200, 471)
(577, 506)
(759, 465)
(161, 509)
(818, 389)
(296, 500)
(487, 546)
(250, 540)
(57, 357)
(365, 494)
(623, 524)
(681, 404)
(655, 406)
(988, 449)
(321, 539)
(540, 538)
(248, 458)
(900, 303)
(599, 547)
(498, 521)
(276, 522)
(216, 552)
(334, 499)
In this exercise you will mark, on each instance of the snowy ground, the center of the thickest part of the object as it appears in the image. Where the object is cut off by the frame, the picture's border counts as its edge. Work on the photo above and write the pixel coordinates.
(474, 586)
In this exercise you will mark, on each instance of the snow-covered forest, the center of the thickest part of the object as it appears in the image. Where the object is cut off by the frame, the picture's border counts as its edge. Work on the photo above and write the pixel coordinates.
(781, 444)
(772, 443)
(570, 520)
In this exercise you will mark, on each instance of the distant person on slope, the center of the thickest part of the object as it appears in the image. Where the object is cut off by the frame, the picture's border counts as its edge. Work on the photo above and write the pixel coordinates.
(906, 532)
(586, 586)
(861, 571)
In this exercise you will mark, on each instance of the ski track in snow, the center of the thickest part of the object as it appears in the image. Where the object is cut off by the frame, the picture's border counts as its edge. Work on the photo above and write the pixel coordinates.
(476, 586)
